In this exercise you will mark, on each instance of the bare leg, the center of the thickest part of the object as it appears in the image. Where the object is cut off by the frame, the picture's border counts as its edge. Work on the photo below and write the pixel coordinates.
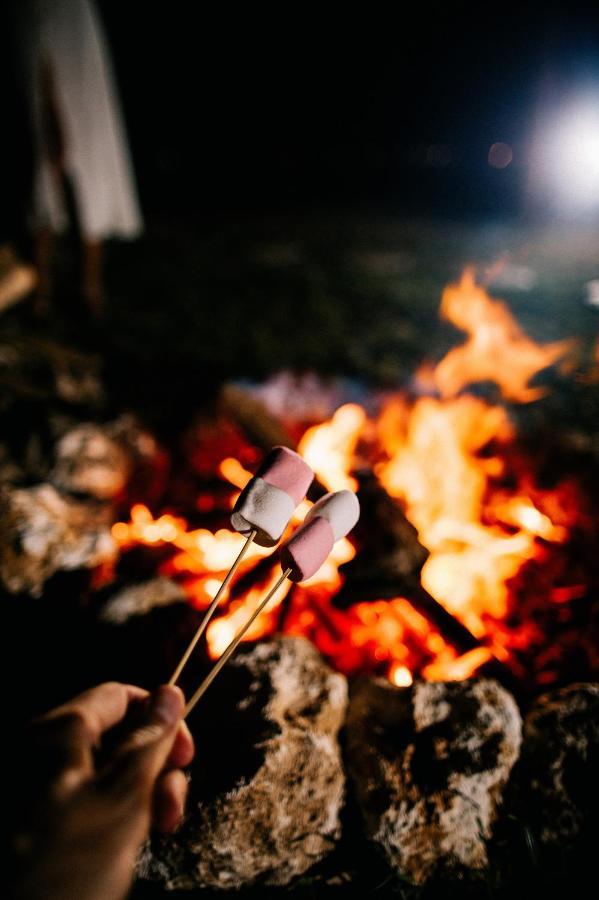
(17, 279)
(92, 277)
(44, 246)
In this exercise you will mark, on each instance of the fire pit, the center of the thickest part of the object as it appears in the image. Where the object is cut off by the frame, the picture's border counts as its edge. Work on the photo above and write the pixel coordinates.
(476, 546)
(421, 712)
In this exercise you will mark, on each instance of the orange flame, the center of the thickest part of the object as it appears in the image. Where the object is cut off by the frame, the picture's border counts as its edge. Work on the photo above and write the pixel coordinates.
(203, 555)
(329, 448)
(445, 460)
(457, 669)
(437, 470)
(221, 631)
(497, 349)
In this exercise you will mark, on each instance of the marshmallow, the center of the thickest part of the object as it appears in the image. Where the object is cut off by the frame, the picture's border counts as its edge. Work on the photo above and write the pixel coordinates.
(341, 510)
(307, 549)
(264, 508)
(268, 501)
(286, 470)
(328, 521)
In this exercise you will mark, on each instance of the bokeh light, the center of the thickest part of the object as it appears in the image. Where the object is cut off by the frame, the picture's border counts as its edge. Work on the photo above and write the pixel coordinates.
(500, 155)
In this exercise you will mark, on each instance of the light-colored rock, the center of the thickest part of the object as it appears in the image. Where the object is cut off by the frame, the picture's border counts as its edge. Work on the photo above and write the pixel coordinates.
(140, 599)
(268, 786)
(79, 384)
(42, 532)
(90, 461)
(98, 459)
(429, 764)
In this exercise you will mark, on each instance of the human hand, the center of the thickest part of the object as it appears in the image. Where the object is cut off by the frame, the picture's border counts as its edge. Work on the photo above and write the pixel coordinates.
(95, 775)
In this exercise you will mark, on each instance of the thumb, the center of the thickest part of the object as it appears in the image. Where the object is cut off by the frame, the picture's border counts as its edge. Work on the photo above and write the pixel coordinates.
(144, 752)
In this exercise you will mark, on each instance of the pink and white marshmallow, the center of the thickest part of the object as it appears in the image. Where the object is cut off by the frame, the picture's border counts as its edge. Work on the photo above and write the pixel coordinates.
(329, 520)
(267, 503)
(341, 510)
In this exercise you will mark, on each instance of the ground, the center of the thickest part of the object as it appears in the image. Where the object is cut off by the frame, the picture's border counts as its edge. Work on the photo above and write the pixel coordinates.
(193, 303)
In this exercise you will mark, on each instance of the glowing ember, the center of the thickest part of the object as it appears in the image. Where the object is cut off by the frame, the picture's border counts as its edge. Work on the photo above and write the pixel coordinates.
(400, 675)
(232, 470)
(222, 631)
(202, 555)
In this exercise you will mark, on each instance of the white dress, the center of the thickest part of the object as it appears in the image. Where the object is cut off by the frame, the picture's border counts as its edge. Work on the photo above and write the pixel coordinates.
(67, 36)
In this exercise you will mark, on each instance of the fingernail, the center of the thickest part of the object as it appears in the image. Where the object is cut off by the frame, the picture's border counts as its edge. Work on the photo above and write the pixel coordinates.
(166, 705)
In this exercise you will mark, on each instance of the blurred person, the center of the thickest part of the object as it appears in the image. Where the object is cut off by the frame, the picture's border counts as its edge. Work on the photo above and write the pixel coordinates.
(82, 164)
(17, 279)
(88, 781)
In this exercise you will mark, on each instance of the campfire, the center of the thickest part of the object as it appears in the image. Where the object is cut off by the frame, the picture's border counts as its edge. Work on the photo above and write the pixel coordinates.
(427, 693)
(498, 545)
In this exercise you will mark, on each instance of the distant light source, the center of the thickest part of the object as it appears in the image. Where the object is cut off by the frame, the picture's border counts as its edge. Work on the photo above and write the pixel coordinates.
(568, 158)
(500, 155)
(578, 159)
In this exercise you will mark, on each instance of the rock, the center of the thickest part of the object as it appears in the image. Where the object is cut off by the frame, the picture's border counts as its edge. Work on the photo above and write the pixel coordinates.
(79, 381)
(10, 471)
(42, 532)
(90, 461)
(429, 764)
(556, 789)
(141, 632)
(268, 786)
(140, 599)
(99, 459)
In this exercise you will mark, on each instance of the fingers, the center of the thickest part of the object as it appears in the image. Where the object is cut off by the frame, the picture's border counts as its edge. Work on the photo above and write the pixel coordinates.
(139, 772)
(68, 734)
(183, 748)
(169, 800)
(144, 752)
(98, 709)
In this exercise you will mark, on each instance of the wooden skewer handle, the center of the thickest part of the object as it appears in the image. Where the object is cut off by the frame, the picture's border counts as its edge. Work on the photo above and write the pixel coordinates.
(232, 646)
(211, 608)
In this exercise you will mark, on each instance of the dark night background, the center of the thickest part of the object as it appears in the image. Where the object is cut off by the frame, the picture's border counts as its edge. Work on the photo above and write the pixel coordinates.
(392, 108)
(331, 162)
(291, 109)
